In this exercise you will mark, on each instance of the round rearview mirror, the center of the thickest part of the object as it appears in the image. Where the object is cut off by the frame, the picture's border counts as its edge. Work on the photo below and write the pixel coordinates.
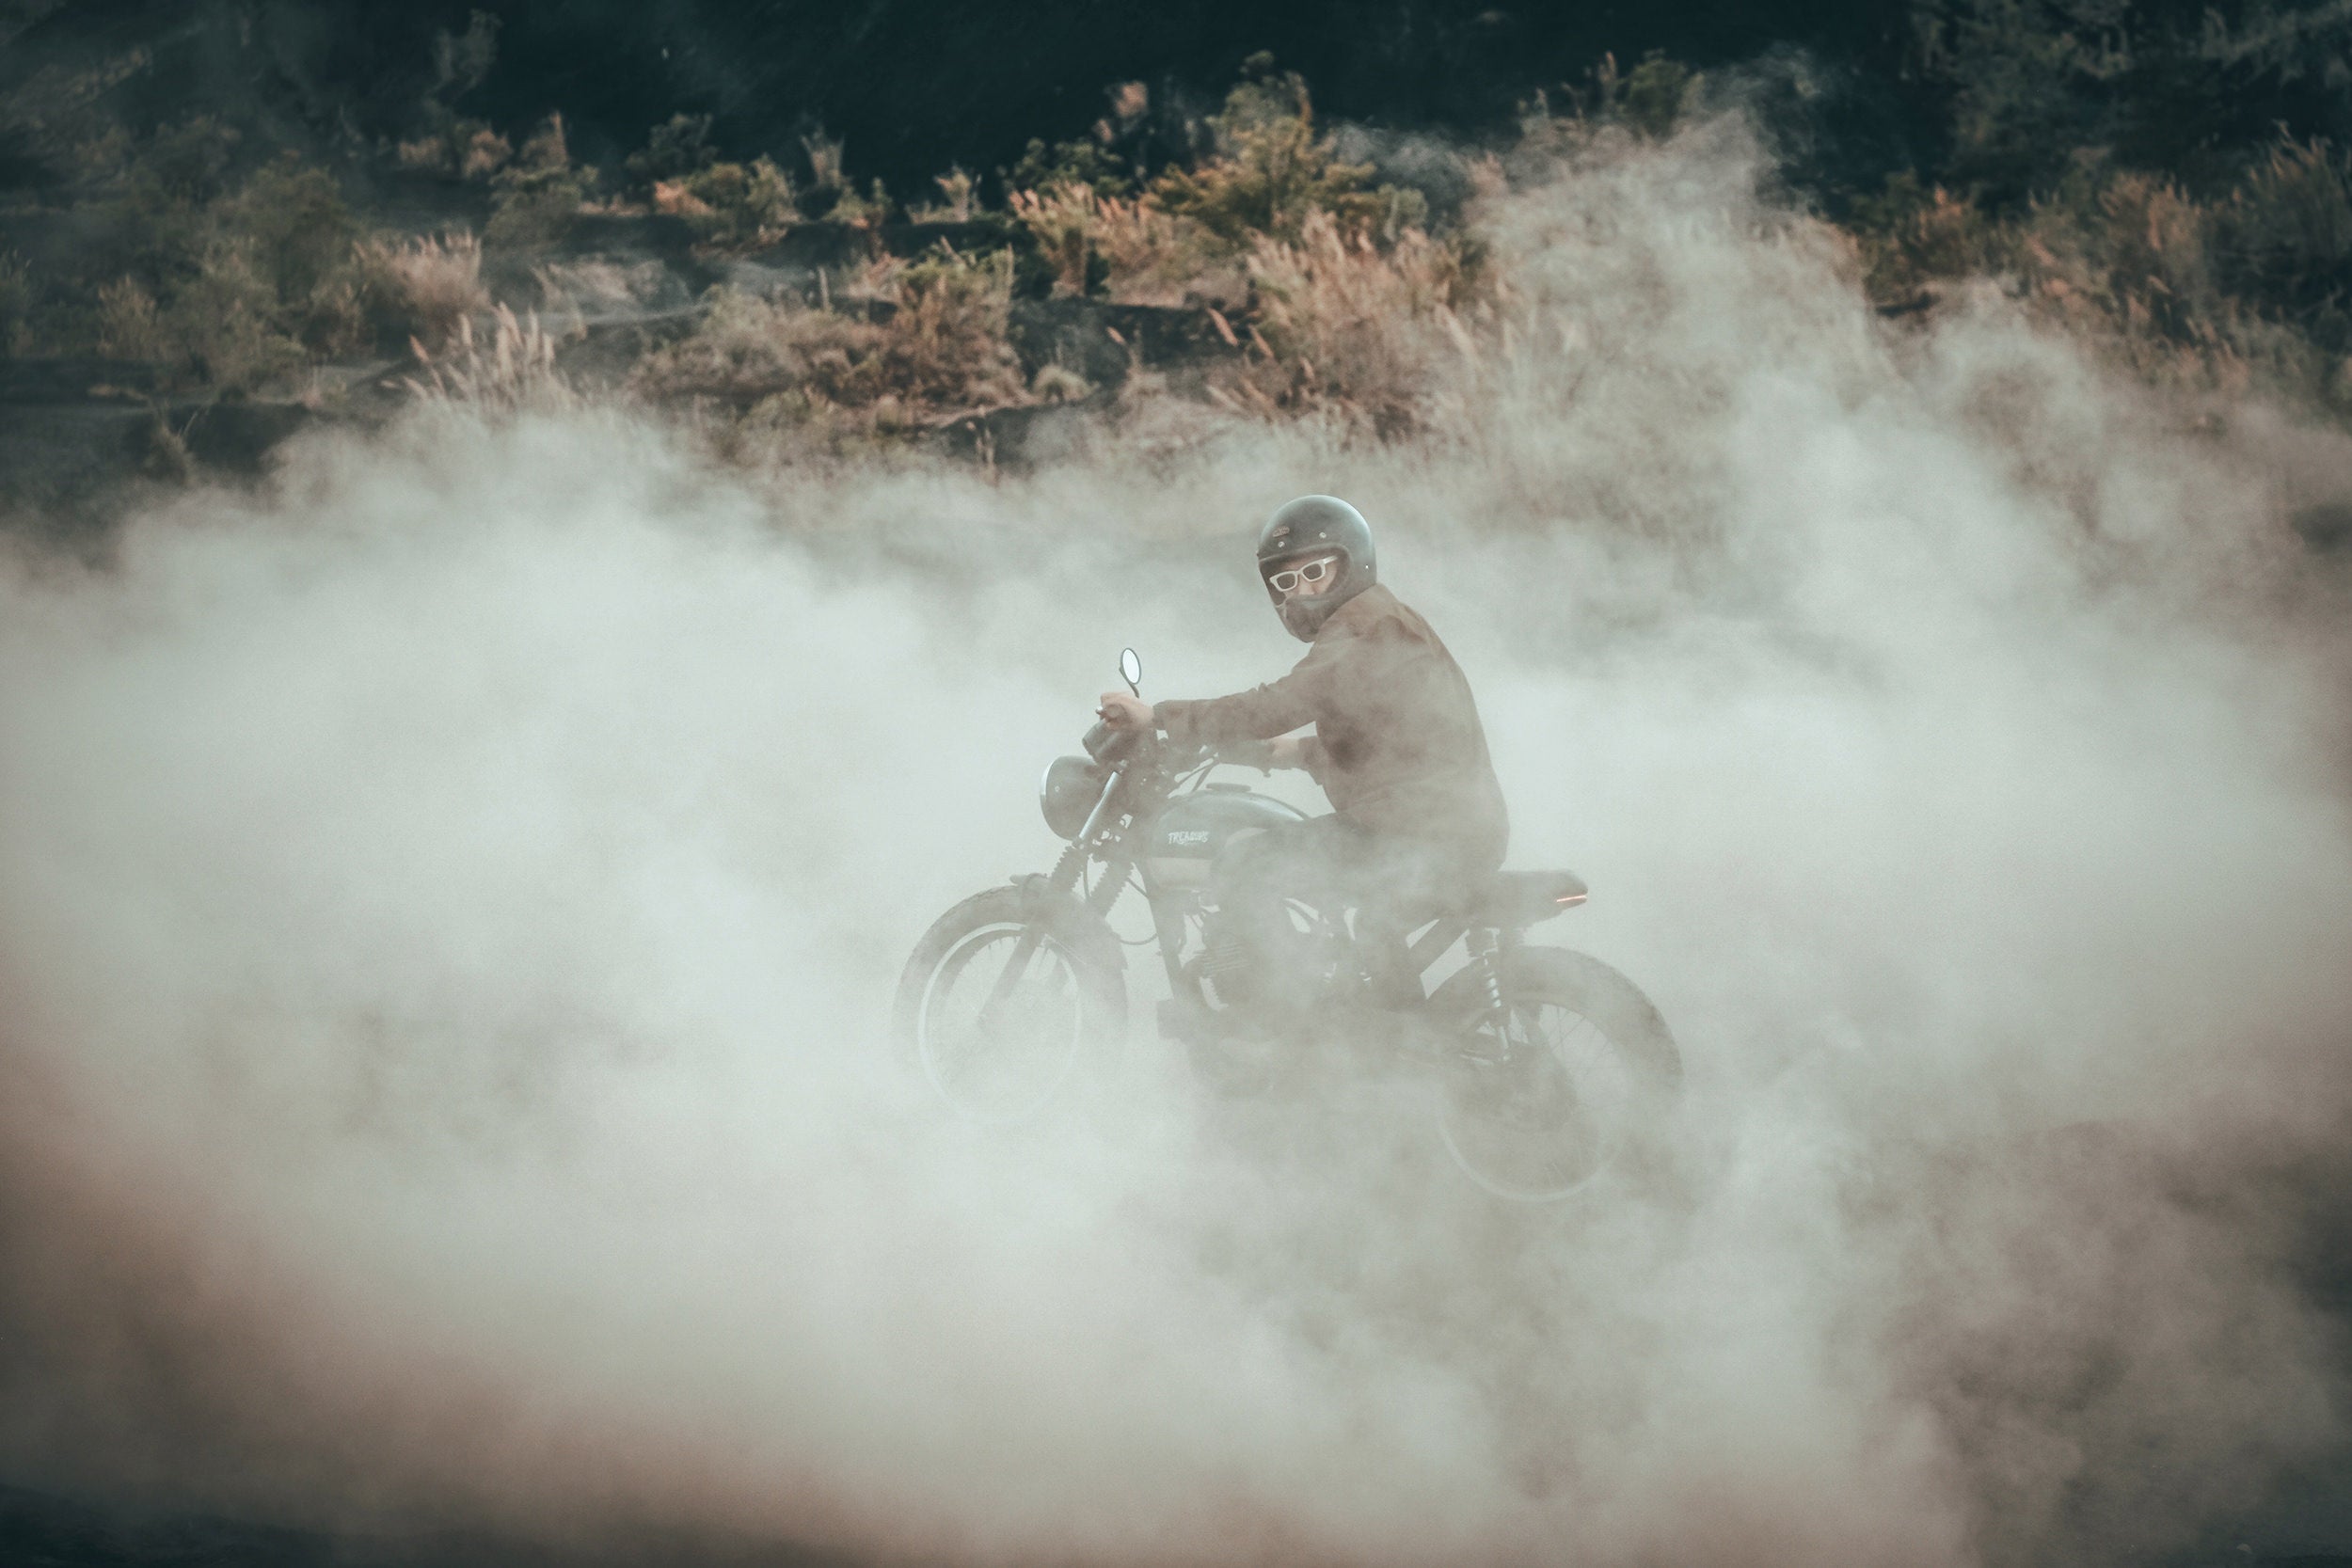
(1130, 667)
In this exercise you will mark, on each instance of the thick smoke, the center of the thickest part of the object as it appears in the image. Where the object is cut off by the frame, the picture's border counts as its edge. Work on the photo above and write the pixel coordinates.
(449, 904)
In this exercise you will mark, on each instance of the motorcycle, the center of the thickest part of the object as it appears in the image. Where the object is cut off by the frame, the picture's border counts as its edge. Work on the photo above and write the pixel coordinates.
(1553, 1070)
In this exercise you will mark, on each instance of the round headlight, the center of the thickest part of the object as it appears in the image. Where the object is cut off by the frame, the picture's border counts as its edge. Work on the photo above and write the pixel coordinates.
(1067, 794)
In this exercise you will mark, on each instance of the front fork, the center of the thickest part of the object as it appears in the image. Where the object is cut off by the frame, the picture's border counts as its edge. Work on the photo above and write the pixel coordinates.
(1063, 879)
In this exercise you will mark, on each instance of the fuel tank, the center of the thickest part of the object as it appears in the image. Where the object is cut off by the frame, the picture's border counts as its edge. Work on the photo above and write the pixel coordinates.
(1194, 827)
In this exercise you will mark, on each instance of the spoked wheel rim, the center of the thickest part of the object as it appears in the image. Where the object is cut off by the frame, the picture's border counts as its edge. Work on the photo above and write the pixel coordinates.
(1006, 1063)
(1551, 1115)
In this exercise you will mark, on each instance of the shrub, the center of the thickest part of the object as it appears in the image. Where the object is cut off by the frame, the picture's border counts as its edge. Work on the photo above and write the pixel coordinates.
(956, 192)
(2026, 81)
(1652, 99)
(153, 210)
(1094, 244)
(294, 224)
(870, 210)
(673, 150)
(448, 144)
(538, 195)
(1066, 163)
(824, 160)
(2166, 285)
(947, 338)
(930, 344)
(464, 150)
(1346, 329)
(227, 324)
(129, 324)
(747, 348)
(2123, 262)
(1061, 220)
(1913, 239)
(1271, 172)
(731, 206)
(2284, 235)
(1150, 257)
(218, 284)
(422, 288)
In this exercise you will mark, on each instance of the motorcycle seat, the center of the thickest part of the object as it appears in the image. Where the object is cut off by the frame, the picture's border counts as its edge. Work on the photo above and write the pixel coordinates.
(1517, 898)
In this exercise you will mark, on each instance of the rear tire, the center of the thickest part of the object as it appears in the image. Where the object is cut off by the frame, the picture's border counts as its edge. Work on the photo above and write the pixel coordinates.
(1581, 1091)
(1015, 1062)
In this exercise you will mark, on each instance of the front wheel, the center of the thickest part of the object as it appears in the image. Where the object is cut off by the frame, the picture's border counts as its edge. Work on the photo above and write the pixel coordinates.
(1571, 1082)
(1002, 1005)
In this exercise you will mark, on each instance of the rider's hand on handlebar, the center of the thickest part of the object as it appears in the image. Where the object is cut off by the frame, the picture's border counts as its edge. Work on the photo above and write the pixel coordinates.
(1288, 752)
(1125, 710)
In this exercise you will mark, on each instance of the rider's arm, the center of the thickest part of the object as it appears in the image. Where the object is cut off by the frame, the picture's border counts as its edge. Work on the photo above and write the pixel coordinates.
(1267, 756)
(1262, 713)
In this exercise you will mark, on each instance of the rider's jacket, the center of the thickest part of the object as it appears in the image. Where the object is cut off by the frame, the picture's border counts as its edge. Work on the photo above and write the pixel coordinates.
(1397, 745)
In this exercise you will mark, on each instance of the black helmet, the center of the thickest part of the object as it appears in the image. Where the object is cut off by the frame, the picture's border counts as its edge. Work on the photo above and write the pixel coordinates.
(1315, 525)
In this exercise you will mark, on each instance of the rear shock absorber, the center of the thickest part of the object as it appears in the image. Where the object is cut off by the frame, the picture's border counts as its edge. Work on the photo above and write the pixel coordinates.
(1486, 950)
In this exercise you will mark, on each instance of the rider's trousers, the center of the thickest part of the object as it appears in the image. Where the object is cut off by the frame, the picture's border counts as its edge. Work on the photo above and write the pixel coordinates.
(1393, 882)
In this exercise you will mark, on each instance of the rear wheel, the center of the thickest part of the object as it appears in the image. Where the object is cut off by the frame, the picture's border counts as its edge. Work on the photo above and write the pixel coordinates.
(1002, 1013)
(1570, 1084)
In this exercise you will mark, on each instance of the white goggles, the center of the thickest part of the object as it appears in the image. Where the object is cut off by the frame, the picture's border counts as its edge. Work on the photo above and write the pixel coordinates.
(1311, 573)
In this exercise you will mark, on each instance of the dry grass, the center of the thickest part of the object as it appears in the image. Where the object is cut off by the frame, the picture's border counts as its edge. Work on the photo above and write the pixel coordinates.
(1127, 249)
(129, 323)
(958, 196)
(731, 206)
(427, 286)
(464, 150)
(1273, 173)
(1349, 331)
(1914, 240)
(514, 370)
(224, 326)
(913, 346)
(2193, 294)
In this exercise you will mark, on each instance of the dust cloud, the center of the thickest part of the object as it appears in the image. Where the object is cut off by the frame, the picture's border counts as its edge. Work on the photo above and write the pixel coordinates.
(449, 903)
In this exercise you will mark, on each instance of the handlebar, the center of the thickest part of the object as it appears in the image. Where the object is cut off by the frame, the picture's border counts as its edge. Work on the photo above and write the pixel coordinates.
(1107, 746)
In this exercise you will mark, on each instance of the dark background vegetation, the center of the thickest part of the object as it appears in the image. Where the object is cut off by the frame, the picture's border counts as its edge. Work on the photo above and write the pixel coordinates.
(1997, 93)
(912, 86)
(224, 200)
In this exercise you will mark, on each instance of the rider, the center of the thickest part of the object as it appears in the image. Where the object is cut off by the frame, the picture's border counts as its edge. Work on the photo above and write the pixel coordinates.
(1417, 815)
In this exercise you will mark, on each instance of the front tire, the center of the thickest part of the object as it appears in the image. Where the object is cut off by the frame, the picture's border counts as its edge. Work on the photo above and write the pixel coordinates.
(1571, 1086)
(1000, 1059)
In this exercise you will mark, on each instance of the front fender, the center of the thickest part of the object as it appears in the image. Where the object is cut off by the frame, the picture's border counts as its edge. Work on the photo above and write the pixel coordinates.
(1076, 926)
